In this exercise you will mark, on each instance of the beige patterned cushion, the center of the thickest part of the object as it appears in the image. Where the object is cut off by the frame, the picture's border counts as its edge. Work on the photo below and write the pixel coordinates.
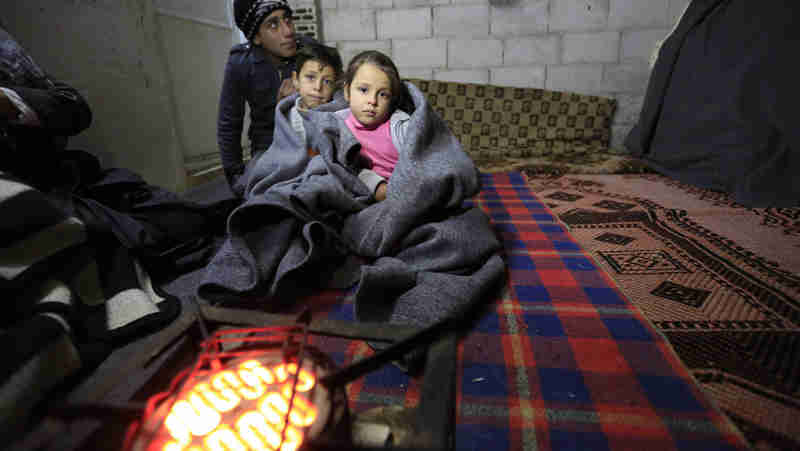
(497, 123)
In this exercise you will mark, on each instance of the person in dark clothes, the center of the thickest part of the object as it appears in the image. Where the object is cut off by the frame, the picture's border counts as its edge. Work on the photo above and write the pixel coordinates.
(257, 73)
(37, 114)
(85, 248)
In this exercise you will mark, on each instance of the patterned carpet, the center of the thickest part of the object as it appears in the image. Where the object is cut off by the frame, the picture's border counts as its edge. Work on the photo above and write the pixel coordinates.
(718, 280)
(560, 361)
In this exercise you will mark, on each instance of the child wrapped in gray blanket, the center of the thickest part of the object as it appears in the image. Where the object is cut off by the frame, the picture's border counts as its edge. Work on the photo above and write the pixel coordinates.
(373, 88)
(319, 68)
(386, 181)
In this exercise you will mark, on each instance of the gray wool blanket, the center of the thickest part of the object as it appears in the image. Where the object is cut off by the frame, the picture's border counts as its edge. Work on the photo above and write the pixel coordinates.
(423, 254)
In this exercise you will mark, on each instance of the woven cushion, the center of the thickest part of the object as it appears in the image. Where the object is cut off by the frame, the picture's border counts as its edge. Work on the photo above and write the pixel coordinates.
(497, 123)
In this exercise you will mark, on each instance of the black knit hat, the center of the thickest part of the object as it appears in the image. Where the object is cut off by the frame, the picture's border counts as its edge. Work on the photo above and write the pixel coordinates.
(250, 13)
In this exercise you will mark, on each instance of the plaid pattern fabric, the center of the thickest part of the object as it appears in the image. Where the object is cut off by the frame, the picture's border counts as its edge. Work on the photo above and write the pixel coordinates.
(495, 122)
(563, 361)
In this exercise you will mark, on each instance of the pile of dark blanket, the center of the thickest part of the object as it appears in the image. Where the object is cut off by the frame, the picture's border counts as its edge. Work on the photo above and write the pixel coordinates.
(79, 242)
(720, 107)
(75, 277)
(422, 255)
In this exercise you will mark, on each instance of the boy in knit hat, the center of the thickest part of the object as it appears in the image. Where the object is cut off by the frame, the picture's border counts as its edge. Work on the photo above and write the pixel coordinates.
(258, 73)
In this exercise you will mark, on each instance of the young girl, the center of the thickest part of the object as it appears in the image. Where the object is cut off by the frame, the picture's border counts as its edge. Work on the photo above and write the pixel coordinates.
(376, 94)
(305, 217)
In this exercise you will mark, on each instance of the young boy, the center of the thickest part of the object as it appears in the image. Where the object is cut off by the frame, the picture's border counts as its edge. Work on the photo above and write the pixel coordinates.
(316, 78)
(257, 74)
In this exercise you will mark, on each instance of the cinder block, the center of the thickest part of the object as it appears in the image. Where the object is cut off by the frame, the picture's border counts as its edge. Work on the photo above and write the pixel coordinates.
(327, 4)
(637, 13)
(304, 4)
(415, 3)
(470, 2)
(461, 21)
(478, 76)
(600, 47)
(306, 19)
(629, 106)
(420, 52)
(349, 49)
(469, 53)
(626, 77)
(518, 77)
(640, 44)
(348, 25)
(531, 50)
(524, 18)
(416, 72)
(675, 10)
(361, 4)
(578, 15)
(579, 78)
(404, 23)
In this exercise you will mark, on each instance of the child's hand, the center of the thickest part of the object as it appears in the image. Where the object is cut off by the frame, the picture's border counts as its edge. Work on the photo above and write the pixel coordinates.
(380, 191)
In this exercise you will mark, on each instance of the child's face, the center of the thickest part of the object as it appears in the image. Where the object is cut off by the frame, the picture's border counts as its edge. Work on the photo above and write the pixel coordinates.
(370, 95)
(315, 83)
(276, 35)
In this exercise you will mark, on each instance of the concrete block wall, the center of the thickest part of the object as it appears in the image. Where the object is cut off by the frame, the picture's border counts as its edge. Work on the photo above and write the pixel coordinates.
(599, 47)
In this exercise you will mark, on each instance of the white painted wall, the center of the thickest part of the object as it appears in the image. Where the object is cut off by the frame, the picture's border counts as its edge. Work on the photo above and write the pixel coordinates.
(195, 38)
(108, 50)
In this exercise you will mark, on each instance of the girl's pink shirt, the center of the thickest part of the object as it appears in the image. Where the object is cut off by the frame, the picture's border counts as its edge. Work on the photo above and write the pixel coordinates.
(376, 144)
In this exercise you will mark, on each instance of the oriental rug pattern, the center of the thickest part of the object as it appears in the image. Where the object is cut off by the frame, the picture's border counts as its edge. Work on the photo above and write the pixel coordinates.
(718, 280)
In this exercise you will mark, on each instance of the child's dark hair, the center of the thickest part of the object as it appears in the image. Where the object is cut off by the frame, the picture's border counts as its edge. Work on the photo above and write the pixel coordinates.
(327, 56)
(400, 97)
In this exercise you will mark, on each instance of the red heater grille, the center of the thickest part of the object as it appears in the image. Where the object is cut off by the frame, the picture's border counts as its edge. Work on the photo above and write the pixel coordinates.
(258, 388)
(252, 388)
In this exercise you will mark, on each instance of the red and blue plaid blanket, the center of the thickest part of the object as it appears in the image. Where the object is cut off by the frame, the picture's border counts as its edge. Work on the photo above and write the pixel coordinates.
(563, 360)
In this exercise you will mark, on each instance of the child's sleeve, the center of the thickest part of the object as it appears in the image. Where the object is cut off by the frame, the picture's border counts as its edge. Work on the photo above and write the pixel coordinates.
(297, 123)
(371, 179)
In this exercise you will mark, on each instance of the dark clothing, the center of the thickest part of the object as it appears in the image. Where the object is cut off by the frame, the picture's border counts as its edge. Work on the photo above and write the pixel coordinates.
(719, 111)
(85, 248)
(251, 77)
(146, 219)
(30, 152)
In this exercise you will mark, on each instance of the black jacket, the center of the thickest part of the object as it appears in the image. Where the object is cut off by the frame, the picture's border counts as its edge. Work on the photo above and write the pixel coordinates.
(251, 77)
(30, 152)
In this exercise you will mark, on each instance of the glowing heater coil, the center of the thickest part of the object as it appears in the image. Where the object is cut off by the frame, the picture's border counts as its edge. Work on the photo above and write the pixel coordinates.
(251, 398)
